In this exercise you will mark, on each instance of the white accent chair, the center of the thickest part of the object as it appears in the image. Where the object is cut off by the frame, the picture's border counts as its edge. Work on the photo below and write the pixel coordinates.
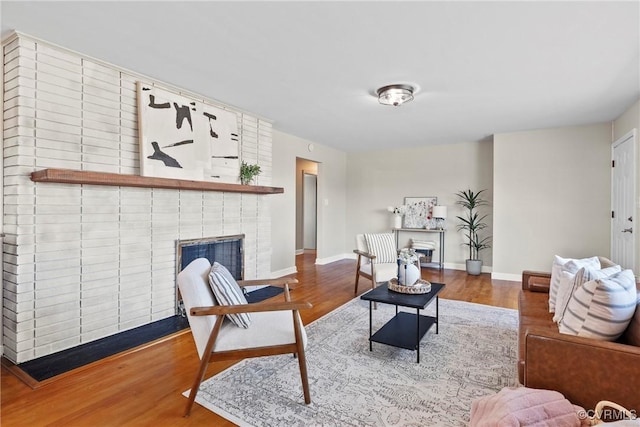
(276, 327)
(367, 268)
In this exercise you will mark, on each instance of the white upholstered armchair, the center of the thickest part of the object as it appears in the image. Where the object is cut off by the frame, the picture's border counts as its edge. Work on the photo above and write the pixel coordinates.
(259, 329)
(377, 258)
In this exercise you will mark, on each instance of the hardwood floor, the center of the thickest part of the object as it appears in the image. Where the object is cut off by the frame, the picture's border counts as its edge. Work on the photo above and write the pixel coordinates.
(144, 387)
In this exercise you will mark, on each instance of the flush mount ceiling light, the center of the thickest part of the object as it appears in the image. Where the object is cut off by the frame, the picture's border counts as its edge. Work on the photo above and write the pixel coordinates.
(395, 95)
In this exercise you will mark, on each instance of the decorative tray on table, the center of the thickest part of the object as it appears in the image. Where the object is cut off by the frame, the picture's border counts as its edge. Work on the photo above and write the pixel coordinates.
(420, 287)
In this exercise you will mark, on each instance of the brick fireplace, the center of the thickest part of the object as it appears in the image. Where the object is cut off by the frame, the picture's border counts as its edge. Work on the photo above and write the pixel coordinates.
(82, 262)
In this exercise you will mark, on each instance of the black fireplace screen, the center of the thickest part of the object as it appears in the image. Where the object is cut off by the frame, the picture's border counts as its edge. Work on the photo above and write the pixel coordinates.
(226, 250)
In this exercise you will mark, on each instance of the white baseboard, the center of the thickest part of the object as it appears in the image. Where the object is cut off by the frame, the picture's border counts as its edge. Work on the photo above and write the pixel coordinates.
(486, 269)
(284, 272)
(452, 266)
(299, 251)
(328, 260)
(507, 276)
(463, 267)
(449, 266)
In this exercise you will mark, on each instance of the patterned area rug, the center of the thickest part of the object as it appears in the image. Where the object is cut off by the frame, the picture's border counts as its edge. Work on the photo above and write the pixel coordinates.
(473, 355)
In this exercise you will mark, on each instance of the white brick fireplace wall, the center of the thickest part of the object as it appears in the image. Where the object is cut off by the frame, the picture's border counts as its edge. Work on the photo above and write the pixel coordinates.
(81, 262)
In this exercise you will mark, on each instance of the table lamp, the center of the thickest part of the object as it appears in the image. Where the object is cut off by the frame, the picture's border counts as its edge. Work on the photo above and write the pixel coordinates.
(440, 214)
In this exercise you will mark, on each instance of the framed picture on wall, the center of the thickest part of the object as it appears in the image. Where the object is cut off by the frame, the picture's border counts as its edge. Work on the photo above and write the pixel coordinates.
(418, 211)
(183, 138)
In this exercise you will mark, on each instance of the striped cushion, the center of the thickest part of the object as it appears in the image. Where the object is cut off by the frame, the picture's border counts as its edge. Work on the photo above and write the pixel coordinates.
(601, 308)
(570, 282)
(227, 292)
(383, 246)
(569, 265)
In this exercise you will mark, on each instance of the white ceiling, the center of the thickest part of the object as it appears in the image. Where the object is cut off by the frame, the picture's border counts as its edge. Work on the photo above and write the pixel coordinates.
(313, 67)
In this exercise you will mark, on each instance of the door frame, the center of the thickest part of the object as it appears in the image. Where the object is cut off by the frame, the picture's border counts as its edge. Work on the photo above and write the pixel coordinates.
(305, 165)
(304, 211)
(632, 135)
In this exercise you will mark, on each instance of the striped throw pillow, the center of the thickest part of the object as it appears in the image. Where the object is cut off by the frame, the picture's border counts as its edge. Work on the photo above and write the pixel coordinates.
(569, 283)
(601, 308)
(383, 246)
(571, 266)
(227, 292)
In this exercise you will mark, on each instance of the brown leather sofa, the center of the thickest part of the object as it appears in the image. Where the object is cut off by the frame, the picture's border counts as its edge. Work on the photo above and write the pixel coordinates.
(585, 370)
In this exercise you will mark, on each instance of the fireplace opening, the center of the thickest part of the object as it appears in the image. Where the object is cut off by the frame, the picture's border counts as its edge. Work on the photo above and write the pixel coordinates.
(226, 250)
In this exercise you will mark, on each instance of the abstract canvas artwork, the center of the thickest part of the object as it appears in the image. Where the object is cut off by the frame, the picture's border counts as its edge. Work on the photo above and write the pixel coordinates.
(186, 139)
(418, 212)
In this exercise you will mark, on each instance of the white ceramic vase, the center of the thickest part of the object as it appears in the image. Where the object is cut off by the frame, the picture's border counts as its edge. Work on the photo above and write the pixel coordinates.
(408, 274)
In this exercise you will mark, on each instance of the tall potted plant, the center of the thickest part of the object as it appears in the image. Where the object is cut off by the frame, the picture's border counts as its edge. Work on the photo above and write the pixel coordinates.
(471, 224)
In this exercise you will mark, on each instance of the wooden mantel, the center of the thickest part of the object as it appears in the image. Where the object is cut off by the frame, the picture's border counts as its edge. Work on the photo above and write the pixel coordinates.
(68, 176)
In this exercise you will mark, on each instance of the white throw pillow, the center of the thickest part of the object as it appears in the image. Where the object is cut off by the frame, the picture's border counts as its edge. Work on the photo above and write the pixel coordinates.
(228, 292)
(383, 246)
(601, 308)
(566, 286)
(570, 266)
(570, 282)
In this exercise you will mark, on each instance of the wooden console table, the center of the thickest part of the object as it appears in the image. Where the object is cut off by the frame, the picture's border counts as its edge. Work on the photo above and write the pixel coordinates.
(440, 262)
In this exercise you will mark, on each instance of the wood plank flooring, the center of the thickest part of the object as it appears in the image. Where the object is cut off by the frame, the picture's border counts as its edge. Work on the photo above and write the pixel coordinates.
(144, 387)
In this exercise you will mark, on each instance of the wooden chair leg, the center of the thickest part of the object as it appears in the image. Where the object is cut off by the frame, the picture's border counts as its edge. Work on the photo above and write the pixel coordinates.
(206, 356)
(357, 274)
(196, 384)
(302, 362)
(373, 276)
(373, 282)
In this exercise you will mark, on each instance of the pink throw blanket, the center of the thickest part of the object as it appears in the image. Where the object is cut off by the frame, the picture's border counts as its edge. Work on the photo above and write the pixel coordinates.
(524, 406)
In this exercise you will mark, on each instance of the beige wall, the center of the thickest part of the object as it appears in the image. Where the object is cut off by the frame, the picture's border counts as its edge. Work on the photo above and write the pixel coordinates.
(628, 121)
(379, 179)
(331, 200)
(551, 196)
(526, 174)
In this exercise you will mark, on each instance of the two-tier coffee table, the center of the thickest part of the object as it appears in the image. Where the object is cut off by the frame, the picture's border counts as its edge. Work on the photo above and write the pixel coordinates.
(404, 330)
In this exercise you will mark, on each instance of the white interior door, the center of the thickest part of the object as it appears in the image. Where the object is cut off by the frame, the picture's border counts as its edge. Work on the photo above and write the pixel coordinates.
(623, 202)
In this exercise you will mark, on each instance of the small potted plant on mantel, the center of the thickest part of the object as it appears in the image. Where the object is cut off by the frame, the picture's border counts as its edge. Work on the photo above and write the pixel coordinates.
(248, 172)
(472, 223)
